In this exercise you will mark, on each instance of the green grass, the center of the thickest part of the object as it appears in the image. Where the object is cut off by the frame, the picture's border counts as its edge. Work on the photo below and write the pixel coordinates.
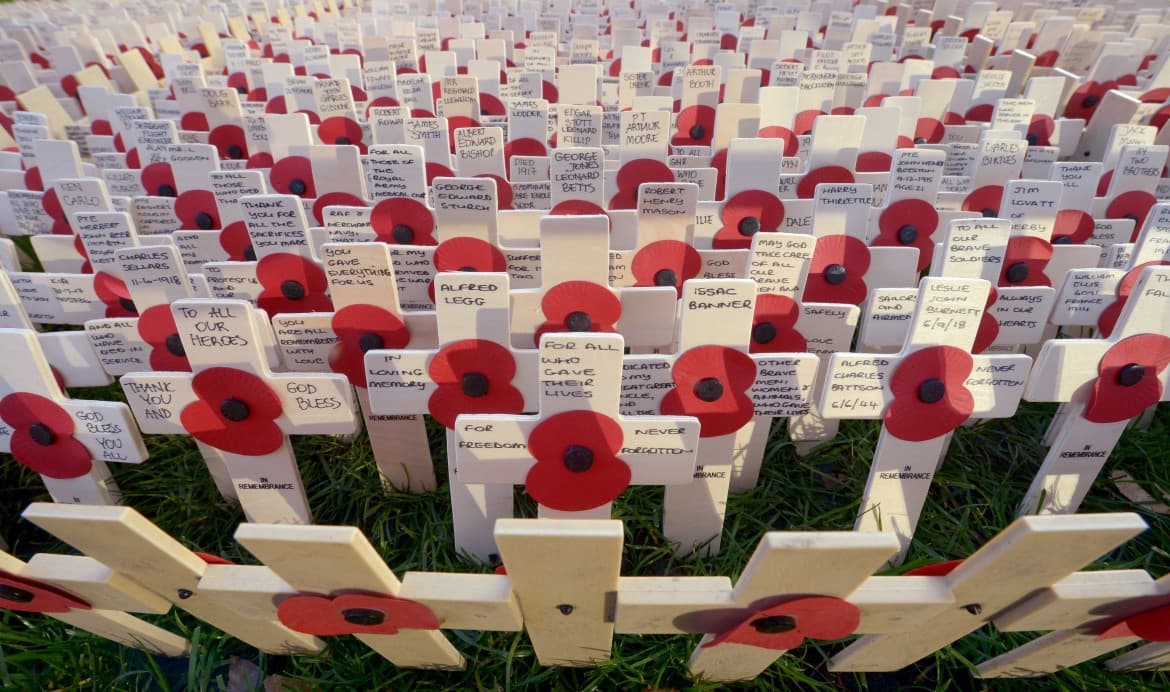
(975, 495)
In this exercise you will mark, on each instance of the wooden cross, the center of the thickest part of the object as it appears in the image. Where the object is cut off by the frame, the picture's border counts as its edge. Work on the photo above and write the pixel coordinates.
(1107, 382)
(345, 564)
(923, 393)
(88, 595)
(234, 403)
(364, 293)
(578, 453)
(1078, 612)
(67, 441)
(238, 599)
(713, 377)
(474, 369)
(1031, 553)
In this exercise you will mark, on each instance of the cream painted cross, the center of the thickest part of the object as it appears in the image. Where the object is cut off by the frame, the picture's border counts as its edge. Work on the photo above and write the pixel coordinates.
(575, 294)
(344, 562)
(109, 596)
(238, 599)
(233, 402)
(1075, 611)
(713, 377)
(364, 293)
(1103, 380)
(67, 441)
(939, 386)
(474, 368)
(1031, 553)
(578, 453)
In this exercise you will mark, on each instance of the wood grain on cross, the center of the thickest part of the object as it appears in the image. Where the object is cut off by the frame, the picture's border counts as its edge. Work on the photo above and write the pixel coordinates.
(713, 377)
(67, 441)
(238, 599)
(578, 453)
(100, 600)
(1107, 382)
(474, 368)
(364, 293)
(923, 393)
(233, 402)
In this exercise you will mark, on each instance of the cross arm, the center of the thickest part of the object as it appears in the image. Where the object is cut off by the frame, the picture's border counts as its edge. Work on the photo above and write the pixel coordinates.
(1062, 367)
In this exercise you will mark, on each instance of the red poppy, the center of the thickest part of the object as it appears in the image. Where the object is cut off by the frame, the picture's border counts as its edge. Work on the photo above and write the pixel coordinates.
(472, 376)
(930, 397)
(275, 106)
(339, 129)
(786, 625)
(804, 121)
(197, 210)
(194, 122)
(236, 241)
(745, 214)
(1152, 625)
(944, 72)
(42, 436)
(577, 207)
(230, 142)
(32, 179)
(437, 170)
(807, 186)
(1048, 58)
(261, 159)
(577, 466)
(354, 613)
(1160, 118)
(837, 271)
(634, 173)
(909, 223)
(235, 412)
(156, 326)
(578, 306)
(791, 142)
(1073, 226)
(1085, 100)
(468, 255)
(381, 102)
(929, 131)
(403, 221)
(159, 180)
(981, 113)
(503, 191)
(666, 263)
(30, 596)
(291, 284)
(985, 200)
(695, 127)
(1109, 316)
(490, 105)
(874, 162)
(1134, 205)
(710, 383)
(1040, 130)
(774, 325)
(988, 325)
(1128, 378)
(458, 122)
(293, 175)
(360, 328)
(1024, 262)
(315, 119)
(334, 199)
(239, 82)
(934, 569)
(113, 292)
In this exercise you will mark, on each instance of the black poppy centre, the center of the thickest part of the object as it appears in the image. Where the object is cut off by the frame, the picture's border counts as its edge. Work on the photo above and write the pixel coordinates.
(234, 410)
(402, 234)
(907, 234)
(578, 321)
(363, 616)
(42, 434)
(764, 333)
(1017, 272)
(174, 345)
(709, 389)
(774, 624)
(931, 391)
(577, 458)
(1130, 375)
(474, 384)
(835, 274)
(293, 290)
(749, 226)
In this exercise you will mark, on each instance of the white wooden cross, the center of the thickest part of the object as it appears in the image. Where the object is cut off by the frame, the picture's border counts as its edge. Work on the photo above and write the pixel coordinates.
(1030, 554)
(923, 393)
(84, 593)
(713, 377)
(473, 370)
(1107, 383)
(347, 588)
(234, 403)
(578, 454)
(1078, 612)
(238, 599)
(67, 441)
